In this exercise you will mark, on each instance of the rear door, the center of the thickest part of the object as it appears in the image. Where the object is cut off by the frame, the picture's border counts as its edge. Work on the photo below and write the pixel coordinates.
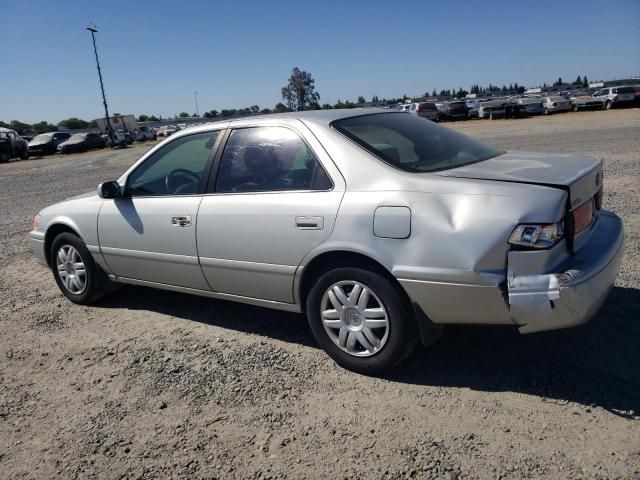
(150, 234)
(274, 197)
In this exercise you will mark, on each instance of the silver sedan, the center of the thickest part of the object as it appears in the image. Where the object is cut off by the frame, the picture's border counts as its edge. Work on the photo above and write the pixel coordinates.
(381, 226)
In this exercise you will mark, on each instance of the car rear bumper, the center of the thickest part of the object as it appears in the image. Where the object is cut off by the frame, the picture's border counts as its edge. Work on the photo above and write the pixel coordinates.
(567, 295)
(575, 291)
(36, 240)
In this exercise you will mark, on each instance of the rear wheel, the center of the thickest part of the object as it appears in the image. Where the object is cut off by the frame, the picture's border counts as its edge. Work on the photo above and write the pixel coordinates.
(4, 157)
(361, 319)
(76, 274)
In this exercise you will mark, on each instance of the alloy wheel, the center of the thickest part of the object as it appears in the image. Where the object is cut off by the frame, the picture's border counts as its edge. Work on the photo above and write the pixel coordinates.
(354, 318)
(71, 269)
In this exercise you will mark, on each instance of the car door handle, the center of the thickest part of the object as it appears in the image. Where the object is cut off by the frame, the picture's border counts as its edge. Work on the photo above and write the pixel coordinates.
(181, 221)
(309, 223)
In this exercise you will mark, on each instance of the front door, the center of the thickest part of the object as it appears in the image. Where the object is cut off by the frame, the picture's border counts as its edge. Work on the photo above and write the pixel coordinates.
(150, 234)
(271, 203)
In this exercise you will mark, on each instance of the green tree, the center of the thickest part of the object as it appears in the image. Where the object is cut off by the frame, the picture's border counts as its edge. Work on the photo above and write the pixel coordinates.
(558, 82)
(280, 107)
(300, 92)
(153, 118)
(265, 111)
(254, 108)
(434, 93)
(375, 99)
(143, 118)
(73, 124)
(184, 115)
(585, 82)
(18, 126)
(326, 106)
(361, 99)
(43, 127)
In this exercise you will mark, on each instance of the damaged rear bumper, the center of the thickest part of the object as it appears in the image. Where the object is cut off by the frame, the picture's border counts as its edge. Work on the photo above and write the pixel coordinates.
(577, 288)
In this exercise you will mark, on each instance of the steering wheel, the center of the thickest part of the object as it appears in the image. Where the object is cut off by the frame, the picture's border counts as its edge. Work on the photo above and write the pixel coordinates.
(175, 179)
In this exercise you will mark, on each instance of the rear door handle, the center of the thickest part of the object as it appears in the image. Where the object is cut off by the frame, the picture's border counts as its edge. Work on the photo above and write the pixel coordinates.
(309, 223)
(181, 221)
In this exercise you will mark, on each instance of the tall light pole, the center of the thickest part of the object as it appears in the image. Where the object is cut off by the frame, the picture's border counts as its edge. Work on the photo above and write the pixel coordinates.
(93, 31)
(195, 97)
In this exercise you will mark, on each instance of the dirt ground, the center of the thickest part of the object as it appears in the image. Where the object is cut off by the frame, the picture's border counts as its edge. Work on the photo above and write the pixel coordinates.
(151, 384)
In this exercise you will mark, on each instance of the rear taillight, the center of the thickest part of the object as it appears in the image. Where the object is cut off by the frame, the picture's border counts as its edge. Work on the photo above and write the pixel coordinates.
(582, 216)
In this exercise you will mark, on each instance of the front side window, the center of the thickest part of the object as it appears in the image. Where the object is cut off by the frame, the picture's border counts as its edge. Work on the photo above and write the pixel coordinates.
(264, 159)
(412, 143)
(176, 169)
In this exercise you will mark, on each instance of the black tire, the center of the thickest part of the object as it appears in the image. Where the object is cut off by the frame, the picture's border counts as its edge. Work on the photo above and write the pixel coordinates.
(402, 332)
(95, 279)
(575, 109)
(4, 157)
(608, 105)
(24, 155)
(545, 111)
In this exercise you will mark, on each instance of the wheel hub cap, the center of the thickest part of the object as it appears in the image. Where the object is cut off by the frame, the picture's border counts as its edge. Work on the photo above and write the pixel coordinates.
(354, 318)
(71, 269)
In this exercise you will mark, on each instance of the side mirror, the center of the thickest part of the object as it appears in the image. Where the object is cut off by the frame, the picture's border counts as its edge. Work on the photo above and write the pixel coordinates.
(110, 189)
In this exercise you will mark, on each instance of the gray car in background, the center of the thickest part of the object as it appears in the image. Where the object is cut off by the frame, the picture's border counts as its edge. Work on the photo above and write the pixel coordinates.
(381, 226)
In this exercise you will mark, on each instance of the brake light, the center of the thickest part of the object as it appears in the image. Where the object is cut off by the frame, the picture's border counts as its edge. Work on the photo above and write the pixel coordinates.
(582, 216)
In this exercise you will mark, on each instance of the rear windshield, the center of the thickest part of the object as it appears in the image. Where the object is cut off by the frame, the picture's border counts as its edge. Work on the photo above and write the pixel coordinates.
(412, 143)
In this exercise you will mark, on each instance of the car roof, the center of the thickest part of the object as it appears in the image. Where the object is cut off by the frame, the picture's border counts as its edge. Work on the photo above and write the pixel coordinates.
(315, 116)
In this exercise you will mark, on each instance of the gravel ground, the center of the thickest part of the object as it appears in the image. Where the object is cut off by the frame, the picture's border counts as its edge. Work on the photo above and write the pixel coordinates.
(151, 384)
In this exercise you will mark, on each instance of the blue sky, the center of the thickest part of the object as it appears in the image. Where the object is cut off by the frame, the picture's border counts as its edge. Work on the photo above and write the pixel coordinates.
(154, 54)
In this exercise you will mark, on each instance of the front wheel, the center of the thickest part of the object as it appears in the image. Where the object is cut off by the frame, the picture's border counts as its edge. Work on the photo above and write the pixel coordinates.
(76, 274)
(361, 319)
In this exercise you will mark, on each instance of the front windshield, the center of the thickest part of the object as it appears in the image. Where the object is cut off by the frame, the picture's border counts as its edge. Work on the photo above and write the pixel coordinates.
(413, 143)
(43, 137)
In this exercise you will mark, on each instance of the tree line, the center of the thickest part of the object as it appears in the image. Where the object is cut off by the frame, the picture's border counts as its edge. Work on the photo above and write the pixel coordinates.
(298, 94)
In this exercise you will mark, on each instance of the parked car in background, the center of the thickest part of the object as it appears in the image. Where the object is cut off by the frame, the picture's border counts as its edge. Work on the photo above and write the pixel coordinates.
(584, 101)
(474, 106)
(47, 143)
(81, 142)
(492, 109)
(12, 145)
(615, 96)
(27, 138)
(405, 107)
(526, 106)
(452, 110)
(170, 130)
(144, 133)
(119, 139)
(426, 110)
(555, 104)
(323, 212)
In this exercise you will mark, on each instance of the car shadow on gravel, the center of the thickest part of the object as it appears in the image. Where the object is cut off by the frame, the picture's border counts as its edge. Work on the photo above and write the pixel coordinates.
(596, 364)
(285, 326)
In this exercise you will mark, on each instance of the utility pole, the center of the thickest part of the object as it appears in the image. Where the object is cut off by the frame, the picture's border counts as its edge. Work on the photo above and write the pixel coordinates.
(195, 96)
(93, 31)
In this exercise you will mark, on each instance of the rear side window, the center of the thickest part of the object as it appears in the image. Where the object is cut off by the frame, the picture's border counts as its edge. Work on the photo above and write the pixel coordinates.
(413, 143)
(265, 159)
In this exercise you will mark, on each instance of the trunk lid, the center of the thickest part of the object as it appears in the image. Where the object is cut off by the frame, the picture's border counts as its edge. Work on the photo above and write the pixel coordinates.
(580, 175)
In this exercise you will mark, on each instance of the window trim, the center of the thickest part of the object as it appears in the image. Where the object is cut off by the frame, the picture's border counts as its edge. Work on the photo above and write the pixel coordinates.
(211, 184)
(205, 173)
